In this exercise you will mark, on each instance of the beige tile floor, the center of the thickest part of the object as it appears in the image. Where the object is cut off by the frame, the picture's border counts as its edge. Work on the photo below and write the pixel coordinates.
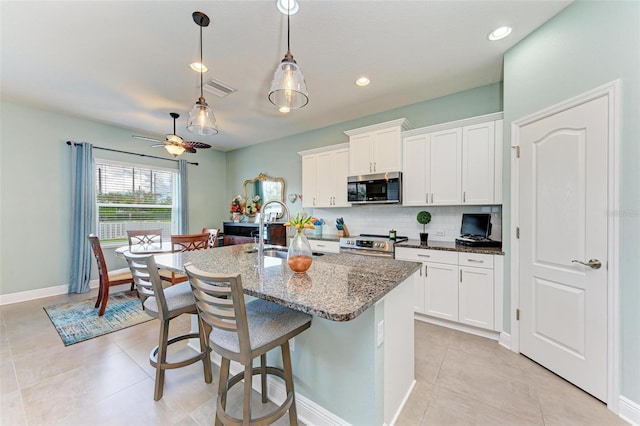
(461, 380)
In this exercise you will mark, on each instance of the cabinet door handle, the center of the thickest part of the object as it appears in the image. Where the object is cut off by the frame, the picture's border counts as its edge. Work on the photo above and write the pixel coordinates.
(426, 198)
(474, 260)
(432, 198)
(460, 275)
(426, 270)
(374, 166)
(424, 255)
(320, 245)
(370, 167)
(464, 196)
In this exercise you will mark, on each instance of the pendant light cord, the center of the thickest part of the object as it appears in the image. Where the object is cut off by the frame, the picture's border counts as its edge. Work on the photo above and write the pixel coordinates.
(201, 63)
(288, 26)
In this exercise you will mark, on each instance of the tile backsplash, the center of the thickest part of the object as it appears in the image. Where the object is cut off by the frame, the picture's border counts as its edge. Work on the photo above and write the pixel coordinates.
(444, 225)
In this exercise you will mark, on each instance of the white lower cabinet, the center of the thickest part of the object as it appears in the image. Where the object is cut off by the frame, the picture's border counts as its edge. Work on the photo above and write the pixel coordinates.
(458, 286)
(441, 290)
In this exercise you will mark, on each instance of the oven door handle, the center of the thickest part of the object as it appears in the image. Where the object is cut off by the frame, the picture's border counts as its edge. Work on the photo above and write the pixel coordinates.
(366, 253)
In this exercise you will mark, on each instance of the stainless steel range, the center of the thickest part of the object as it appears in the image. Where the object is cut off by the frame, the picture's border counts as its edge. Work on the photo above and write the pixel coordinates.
(370, 245)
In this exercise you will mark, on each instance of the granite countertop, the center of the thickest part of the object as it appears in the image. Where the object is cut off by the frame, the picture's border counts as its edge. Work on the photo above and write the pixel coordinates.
(336, 287)
(450, 246)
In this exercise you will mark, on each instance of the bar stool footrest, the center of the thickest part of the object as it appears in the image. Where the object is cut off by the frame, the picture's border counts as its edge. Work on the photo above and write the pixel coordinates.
(267, 418)
(153, 355)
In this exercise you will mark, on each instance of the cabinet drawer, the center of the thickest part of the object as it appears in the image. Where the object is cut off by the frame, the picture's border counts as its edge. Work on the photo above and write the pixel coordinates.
(425, 255)
(325, 246)
(476, 260)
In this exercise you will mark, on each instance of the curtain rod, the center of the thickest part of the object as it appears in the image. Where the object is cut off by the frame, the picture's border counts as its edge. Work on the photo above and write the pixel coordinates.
(132, 153)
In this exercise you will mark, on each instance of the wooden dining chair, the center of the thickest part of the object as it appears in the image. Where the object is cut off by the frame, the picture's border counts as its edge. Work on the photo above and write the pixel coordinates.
(213, 236)
(107, 278)
(144, 237)
(181, 243)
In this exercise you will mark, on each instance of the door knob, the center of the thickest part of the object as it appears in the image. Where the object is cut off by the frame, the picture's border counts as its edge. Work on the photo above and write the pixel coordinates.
(592, 263)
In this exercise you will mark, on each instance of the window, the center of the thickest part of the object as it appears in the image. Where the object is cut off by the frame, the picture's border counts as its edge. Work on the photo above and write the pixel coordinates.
(131, 196)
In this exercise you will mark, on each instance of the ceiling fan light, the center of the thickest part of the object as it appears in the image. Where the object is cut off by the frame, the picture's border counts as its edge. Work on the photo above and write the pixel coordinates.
(174, 150)
(288, 88)
(201, 119)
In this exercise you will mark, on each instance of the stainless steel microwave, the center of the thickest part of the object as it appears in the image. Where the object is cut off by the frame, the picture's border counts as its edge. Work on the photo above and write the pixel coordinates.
(379, 188)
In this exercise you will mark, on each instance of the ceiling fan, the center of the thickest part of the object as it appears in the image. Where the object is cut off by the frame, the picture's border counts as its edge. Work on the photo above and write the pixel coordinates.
(173, 143)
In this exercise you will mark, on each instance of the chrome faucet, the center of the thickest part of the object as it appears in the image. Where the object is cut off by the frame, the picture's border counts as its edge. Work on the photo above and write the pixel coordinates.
(261, 229)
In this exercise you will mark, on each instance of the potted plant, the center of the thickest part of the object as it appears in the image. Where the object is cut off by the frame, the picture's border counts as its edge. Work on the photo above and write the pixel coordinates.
(423, 218)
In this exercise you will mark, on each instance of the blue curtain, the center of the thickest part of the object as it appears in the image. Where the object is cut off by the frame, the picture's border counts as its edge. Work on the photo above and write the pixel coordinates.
(183, 197)
(82, 215)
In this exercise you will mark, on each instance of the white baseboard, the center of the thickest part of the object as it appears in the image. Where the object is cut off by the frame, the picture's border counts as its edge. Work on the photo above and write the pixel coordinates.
(494, 335)
(25, 296)
(404, 402)
(629, 411)
(505, 340)
(309, 412)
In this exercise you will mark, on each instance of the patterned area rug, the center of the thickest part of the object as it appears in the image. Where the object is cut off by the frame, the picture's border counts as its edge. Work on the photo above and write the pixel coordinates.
(79, 321)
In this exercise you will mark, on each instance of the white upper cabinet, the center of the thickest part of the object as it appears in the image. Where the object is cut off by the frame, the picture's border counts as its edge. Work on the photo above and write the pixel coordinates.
(377, 148)
(478, 163)
(324, 176)
(445, 167)
(432, 168)
(454, 163)
(309, 180)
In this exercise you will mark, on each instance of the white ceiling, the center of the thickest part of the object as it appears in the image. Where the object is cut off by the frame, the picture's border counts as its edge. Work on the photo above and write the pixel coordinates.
(126, 63)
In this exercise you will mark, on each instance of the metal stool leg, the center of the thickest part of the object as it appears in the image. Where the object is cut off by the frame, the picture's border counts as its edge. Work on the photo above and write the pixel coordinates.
(288, 380)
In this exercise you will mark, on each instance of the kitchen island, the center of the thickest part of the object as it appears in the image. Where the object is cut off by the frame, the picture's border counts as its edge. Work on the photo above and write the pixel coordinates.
(355, 365)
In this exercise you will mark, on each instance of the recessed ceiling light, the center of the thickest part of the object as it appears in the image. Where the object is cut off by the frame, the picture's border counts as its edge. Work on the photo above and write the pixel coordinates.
(198, 67)
(499, 33)
(287, 7)
(363, 81)
(284, 109)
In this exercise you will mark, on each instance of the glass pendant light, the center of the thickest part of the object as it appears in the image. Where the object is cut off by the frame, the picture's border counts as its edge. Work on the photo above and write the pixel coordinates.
(201, 119)
(288, 88)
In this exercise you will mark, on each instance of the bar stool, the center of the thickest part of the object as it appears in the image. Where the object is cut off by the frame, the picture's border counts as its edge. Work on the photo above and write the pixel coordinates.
(242, 333)
(165, 305)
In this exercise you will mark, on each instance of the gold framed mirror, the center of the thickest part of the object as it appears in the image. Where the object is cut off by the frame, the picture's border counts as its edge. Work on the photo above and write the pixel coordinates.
(261, 189)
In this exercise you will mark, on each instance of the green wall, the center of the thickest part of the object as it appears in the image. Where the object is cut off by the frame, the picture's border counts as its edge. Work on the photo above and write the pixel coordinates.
(35, 186)
(280, 158)
(585, 46)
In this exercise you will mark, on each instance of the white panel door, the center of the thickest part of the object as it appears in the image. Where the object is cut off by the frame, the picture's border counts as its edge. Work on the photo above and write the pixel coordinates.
(446, 167)
(441, 290)
(415, 170)
(478, 168)
(563, 221)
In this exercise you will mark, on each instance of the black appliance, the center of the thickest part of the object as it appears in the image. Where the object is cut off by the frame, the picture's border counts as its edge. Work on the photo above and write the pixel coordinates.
(379, 188)
(475, 231)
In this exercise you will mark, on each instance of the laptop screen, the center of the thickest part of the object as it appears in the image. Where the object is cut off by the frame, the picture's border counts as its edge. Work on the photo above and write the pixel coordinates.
(476, 224)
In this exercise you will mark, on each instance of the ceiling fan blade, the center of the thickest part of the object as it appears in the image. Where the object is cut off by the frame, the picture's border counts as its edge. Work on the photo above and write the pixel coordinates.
(144, 138)
(200, 145)
(158, 145)
(189, 149)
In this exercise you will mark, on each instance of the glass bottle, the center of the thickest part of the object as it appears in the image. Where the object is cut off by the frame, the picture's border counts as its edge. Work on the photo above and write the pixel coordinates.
(299, 256)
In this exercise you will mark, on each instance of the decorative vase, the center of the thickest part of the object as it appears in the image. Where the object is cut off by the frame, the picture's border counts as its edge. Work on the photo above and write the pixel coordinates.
(424, 236)
(299, 256)
(237, 216)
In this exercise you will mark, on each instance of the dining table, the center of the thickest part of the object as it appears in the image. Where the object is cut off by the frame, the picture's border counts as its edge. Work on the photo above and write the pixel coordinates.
(155, 248)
